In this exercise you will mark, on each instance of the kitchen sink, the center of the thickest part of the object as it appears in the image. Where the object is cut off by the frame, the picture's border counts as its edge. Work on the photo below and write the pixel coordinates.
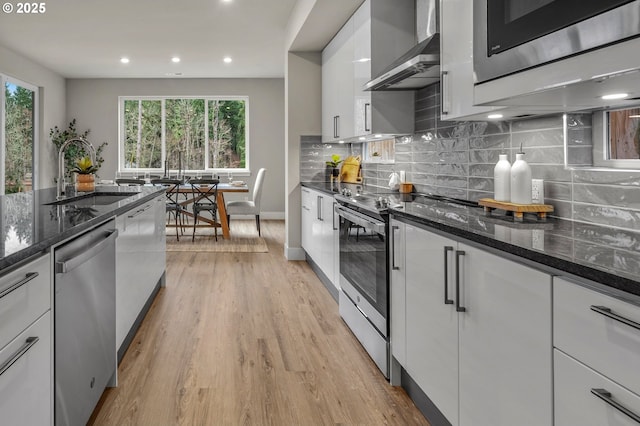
(94, 199)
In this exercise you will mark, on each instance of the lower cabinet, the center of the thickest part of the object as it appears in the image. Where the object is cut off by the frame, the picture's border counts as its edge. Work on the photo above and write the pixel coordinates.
(26, 344)
(596, 357)
(477, 330)
(319, 231)
(140, 261)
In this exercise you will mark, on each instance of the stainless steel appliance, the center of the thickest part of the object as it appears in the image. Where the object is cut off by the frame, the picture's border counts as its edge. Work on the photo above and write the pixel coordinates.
(85, 332)
(364, 270)
(514, 35)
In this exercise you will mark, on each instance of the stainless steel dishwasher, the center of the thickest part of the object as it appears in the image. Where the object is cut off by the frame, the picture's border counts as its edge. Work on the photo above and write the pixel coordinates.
(85, 323)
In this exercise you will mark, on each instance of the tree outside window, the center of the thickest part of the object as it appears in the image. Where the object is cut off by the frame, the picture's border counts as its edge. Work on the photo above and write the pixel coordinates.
(208, 132)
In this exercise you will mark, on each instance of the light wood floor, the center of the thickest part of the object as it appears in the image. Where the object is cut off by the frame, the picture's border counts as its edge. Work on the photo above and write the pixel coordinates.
(248, 339)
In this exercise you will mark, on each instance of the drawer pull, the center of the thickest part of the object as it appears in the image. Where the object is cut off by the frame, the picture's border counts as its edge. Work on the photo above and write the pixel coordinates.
(606, 397)
(603, 310)
(16, 356)
(28, 277)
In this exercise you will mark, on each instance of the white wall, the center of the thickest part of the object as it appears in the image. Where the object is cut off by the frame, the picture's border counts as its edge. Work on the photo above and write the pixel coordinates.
(303, 72)
(94, 103)
(52, 107)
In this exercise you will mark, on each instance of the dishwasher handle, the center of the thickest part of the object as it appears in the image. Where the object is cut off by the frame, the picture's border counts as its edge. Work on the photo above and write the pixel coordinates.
(69, 265)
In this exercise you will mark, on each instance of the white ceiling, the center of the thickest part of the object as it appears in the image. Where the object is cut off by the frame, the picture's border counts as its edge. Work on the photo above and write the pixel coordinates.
(86, 38)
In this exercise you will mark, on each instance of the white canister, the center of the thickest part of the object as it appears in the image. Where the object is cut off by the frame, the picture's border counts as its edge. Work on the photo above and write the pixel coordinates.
(394, 181)
(502, 179)
(520, 181)
(403, 176)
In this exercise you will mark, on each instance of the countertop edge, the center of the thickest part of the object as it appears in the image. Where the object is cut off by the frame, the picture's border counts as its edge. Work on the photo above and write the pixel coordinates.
(17, 258)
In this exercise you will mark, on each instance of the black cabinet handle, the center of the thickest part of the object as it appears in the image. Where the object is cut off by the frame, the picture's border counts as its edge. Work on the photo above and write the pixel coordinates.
(319, 208)
(28, 277)
(458, 307)
(337, 126)
(607, 312)
(444, 93)
(393, 248)
(367, 128)
(604, 395)
(17, 354)
(447, 301)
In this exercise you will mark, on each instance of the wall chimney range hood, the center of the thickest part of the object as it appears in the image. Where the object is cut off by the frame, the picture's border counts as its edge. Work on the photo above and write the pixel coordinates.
(417, 68)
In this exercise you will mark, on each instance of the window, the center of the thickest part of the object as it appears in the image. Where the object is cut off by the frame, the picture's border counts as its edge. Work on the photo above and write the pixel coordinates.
(17, 135)
(616, 134)
(382, 151)
(191, 133)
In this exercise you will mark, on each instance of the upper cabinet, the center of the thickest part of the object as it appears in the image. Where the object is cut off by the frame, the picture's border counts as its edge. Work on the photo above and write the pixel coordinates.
(456, 62)
(378, 33)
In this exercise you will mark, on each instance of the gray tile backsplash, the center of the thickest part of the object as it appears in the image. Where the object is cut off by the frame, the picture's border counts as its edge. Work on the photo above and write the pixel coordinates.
(457, 158)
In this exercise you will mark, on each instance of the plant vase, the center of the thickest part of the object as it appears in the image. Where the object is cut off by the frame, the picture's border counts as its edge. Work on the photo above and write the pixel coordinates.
(85, 182)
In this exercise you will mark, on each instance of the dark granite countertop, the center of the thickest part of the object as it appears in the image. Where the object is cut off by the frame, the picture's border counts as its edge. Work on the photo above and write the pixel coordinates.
(604, 255)
(30, 226)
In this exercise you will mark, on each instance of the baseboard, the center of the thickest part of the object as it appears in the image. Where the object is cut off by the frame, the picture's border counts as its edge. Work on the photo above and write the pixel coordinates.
(263, 215)
(422, 401)
(294, 253)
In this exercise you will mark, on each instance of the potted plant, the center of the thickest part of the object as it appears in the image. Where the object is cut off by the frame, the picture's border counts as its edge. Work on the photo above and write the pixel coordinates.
(334, 163)
(85, 180)
(74, 152)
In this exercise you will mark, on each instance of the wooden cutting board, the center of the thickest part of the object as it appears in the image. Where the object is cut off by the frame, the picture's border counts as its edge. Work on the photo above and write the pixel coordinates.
(350, 172)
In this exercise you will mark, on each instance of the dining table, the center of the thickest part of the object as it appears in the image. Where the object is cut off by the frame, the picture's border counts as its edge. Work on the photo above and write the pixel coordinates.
(222, 210)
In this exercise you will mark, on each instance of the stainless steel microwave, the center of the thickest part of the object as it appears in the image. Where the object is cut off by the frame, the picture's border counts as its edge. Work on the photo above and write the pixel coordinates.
(514, 35)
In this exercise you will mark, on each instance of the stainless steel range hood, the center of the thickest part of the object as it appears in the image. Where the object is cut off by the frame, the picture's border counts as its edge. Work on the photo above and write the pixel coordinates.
(417, 68)
(420, 66)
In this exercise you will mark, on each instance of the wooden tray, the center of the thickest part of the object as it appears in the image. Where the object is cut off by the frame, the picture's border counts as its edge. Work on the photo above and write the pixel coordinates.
(518, 210)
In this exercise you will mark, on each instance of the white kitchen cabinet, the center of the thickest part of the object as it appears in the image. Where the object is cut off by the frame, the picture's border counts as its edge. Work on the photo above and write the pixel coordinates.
(576, 403)
(505, 370)
(337, 86)
(456, 62)
(482, 353)
(140, 261)
(319, 231)
(26, 384)
(26, 344)
(596, 356)
(397, 293)
(378, 33)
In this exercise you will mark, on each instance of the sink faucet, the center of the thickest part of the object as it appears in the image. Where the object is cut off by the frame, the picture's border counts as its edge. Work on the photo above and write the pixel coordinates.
(61, 171)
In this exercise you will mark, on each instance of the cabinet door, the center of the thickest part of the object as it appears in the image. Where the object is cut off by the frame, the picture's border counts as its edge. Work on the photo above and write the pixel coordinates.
(576, 387)
(337, 86)
(26, 390)
(432, 324)
(398, 298)
(456, 45)
(505, 342)
(362, 69)
(306, 220)
(326, 235)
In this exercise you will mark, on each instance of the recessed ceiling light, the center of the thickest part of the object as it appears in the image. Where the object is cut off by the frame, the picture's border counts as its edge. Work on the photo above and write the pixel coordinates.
(227, 1)
(615, 96)
(124, 60)
(340, 141)
(494, 116)
(227, 60)
(175, 59)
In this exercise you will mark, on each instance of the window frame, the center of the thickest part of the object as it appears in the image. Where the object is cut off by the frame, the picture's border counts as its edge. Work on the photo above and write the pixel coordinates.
(601, 142)
(35, 149)
(246, 170)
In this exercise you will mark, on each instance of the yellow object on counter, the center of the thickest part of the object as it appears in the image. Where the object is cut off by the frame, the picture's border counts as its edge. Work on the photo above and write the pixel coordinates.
(350, 172)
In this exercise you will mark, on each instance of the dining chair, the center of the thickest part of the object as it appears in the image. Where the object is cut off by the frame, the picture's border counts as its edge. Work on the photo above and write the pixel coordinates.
(205, 192)
(172, 205)
(249, 207)
(129, 182)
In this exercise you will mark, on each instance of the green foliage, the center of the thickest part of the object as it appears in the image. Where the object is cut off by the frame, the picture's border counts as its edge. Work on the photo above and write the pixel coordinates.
(74, 152)
(18, 136)
(335, 161)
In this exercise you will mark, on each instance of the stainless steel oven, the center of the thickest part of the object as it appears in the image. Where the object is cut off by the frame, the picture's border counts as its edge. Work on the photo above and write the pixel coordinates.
(514, 35)
(364, 273)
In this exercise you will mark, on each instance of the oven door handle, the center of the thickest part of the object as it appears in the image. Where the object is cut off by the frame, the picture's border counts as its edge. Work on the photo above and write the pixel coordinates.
(362, 220)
